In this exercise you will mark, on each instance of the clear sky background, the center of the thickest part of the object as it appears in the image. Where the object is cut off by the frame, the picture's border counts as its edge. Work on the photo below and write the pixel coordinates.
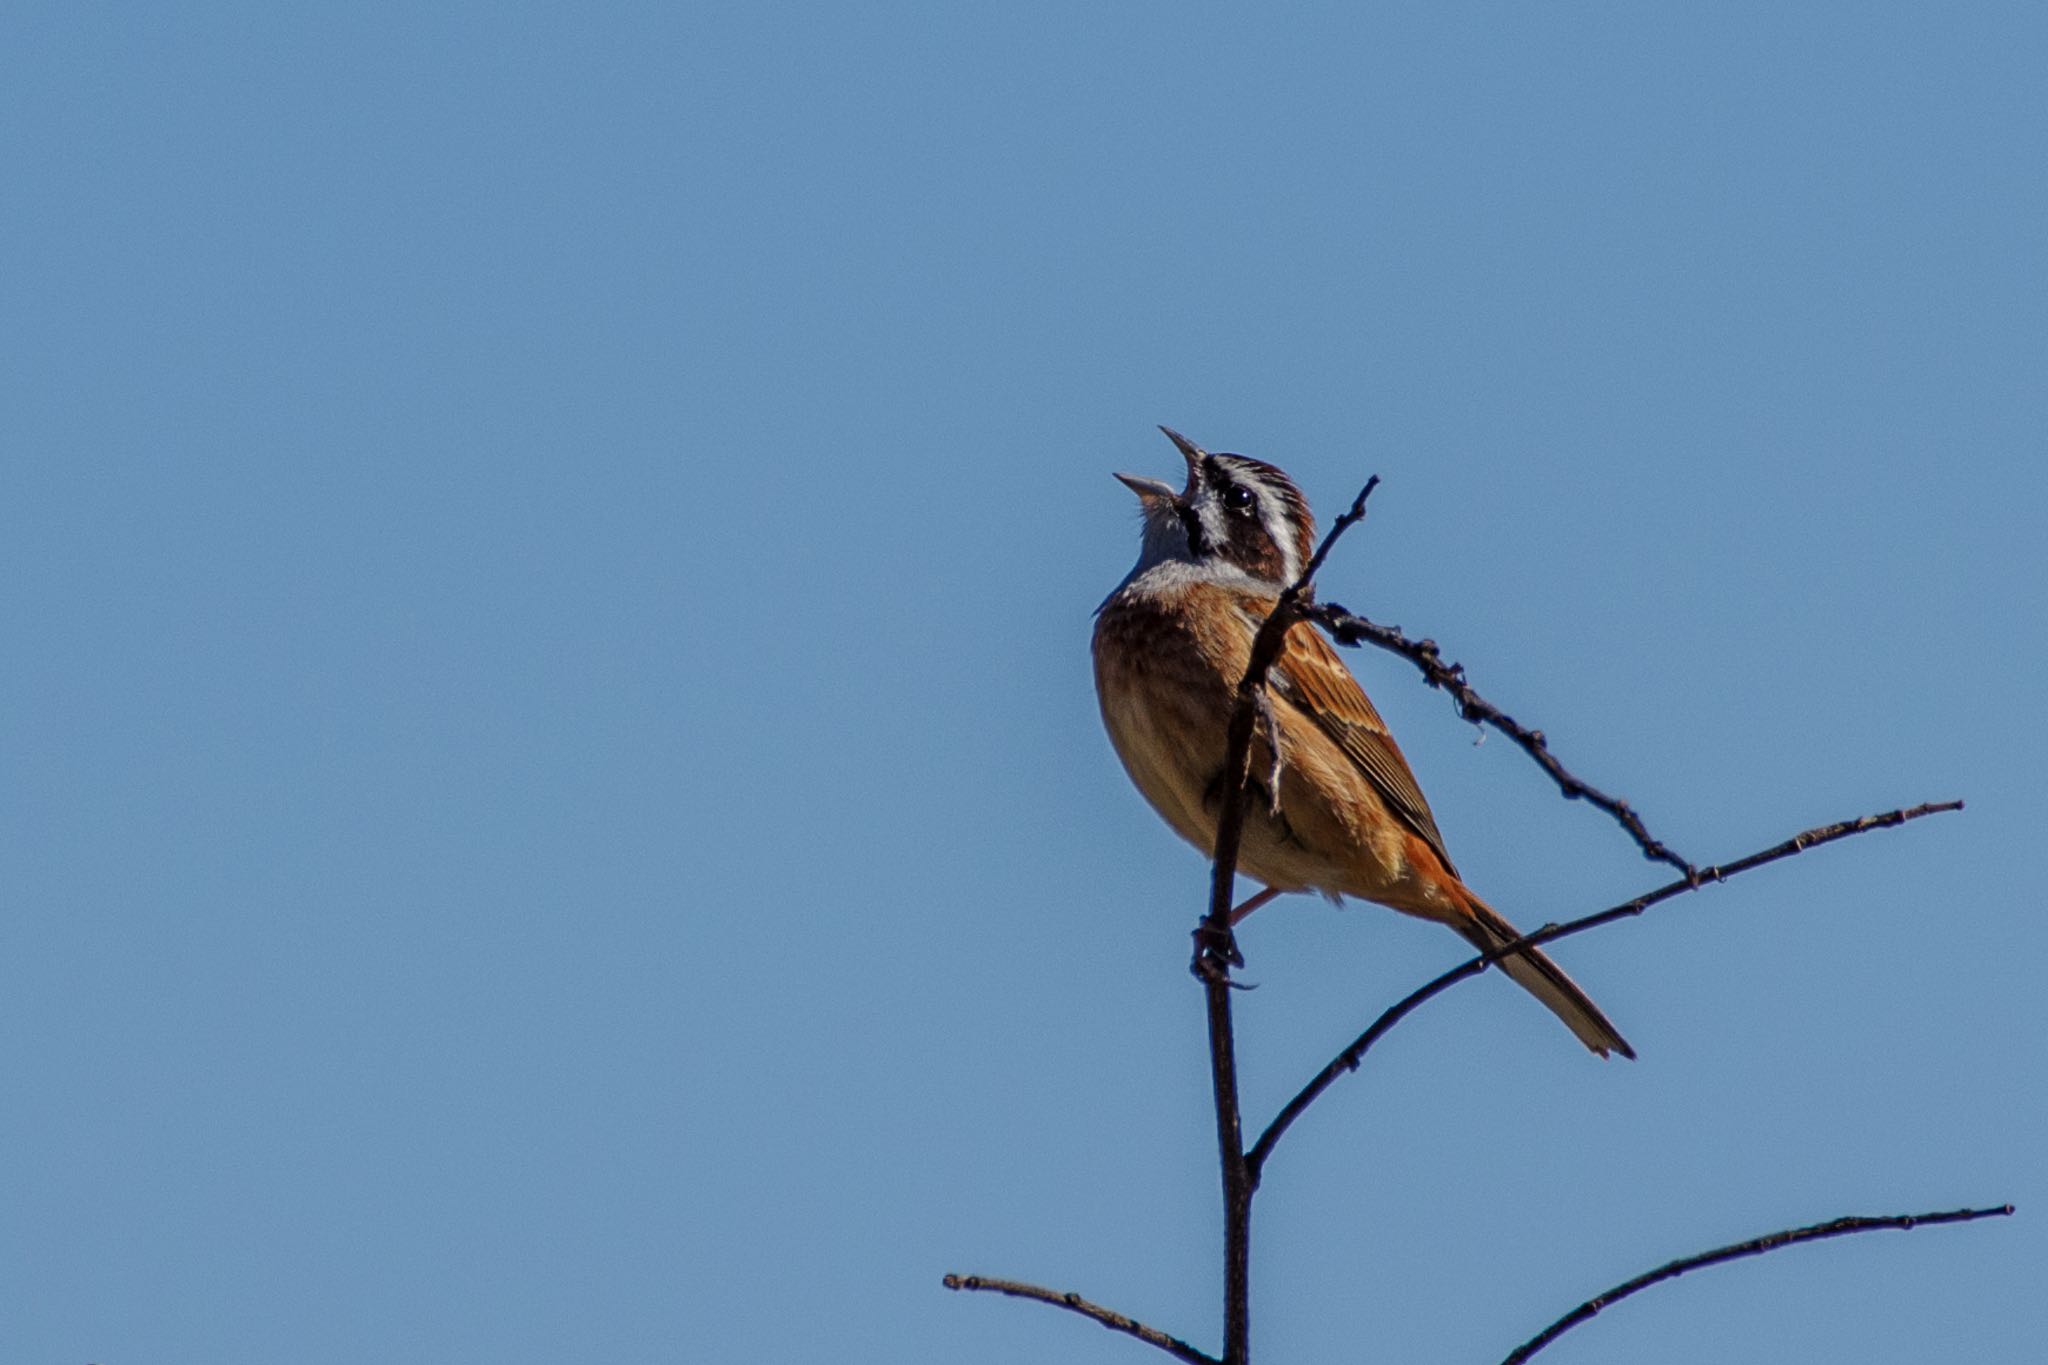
(553, 807)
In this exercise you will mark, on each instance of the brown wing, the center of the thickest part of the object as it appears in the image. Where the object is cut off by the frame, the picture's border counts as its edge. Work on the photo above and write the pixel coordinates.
(1310, 675)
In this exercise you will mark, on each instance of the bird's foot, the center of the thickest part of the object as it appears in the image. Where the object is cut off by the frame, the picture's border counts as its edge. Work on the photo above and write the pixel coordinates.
(1216, 952)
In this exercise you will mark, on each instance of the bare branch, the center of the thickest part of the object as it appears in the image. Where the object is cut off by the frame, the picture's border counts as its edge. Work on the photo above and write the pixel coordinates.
(1216, 948)
(1216, 953)
(1348, 629)
(1840, 1227)
(1113, 1320)
(1349, 1058)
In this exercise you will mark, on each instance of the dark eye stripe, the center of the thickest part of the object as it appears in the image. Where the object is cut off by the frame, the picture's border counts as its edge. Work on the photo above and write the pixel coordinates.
(1267, 525)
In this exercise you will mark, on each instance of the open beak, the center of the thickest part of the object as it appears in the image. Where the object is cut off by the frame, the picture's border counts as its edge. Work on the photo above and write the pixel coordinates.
(1148, 489)
(1189, 451)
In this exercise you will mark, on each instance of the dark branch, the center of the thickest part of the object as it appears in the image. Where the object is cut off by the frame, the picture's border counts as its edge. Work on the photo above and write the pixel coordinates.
(1347, 629)
(1349, 1058)
(1840, 1227)
(1114, 1321)
(1216, 949)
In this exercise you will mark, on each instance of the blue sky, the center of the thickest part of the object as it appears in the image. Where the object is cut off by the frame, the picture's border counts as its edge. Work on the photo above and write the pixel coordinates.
(554, 805)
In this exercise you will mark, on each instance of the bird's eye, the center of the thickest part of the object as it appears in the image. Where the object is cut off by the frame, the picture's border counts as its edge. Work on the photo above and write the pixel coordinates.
(1237, 497)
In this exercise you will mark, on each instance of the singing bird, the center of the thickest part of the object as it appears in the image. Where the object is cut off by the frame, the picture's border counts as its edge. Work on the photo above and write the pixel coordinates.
(1172, 643)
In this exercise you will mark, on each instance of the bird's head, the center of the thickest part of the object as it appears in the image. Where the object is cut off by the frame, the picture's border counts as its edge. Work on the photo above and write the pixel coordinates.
(1235, 511)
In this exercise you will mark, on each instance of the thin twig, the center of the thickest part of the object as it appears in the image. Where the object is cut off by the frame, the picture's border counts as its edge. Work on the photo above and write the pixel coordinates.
(1110, 1318)
(1349, 1058)
(1237, 1182)
(1839, 1227)
(1348, 629)
(1216, 949)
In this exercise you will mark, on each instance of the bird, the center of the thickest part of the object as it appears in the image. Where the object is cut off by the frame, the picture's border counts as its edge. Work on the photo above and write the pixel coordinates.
(1337, 810)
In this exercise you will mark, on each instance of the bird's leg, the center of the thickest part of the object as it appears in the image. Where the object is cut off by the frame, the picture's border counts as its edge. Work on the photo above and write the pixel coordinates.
(1216, 949)
(1251, 903)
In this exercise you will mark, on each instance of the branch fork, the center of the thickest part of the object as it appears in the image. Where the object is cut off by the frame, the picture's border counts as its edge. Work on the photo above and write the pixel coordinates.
(1216, 953)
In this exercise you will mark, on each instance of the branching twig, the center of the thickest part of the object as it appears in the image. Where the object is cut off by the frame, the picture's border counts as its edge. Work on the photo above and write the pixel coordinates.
(1216, 953)
(1347, 629)
(1216, 949)
(1349, 1058)
(1114, 1321)
(1791, 1237)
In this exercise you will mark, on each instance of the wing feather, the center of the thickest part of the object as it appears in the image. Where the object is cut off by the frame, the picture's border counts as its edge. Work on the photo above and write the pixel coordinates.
(1310, 675)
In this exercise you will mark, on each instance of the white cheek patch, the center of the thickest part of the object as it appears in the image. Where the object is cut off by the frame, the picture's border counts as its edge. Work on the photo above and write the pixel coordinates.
(1208, 511)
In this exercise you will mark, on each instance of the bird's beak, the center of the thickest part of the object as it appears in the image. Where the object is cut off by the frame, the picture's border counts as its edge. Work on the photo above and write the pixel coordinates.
(1151, 490)
(1148, 490)
(1189, 451)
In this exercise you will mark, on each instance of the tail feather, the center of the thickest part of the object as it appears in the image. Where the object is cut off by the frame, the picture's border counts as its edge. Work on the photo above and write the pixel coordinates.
(1535, 973)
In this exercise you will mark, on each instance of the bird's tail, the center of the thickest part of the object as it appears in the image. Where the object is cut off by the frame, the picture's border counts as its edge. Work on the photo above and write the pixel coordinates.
(1542, 978)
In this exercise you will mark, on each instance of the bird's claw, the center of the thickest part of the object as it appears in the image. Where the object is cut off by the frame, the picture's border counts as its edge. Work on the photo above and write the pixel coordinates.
(1216, 952)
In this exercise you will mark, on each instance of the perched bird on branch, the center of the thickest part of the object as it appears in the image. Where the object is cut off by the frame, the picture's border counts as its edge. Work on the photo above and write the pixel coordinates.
(1336, 808)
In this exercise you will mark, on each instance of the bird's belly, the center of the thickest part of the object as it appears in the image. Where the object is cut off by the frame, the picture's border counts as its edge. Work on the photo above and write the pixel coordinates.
(1176, 763)
(1166, 705)
(1166, 758)
(1273, 853)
